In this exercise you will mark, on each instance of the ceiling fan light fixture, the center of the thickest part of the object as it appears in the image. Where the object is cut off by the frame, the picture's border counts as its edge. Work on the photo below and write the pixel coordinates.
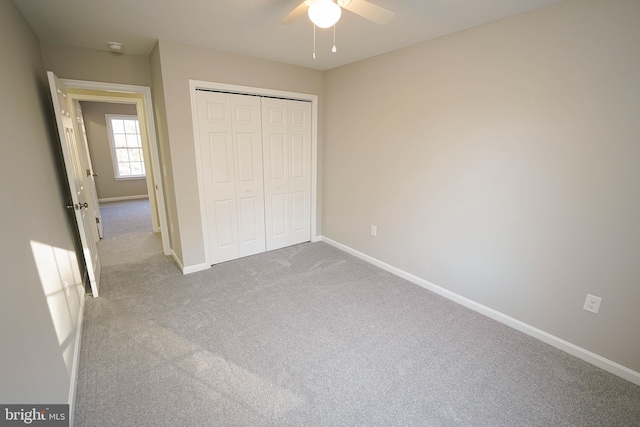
(324, 13)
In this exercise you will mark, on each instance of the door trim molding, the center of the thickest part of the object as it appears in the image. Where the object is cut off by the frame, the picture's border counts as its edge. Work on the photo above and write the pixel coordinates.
(249, 90)
(145, 92)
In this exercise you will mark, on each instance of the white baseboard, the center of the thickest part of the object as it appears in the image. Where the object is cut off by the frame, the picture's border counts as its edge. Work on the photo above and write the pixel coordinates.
(579, 352)
(76, 360)
(190, 268)
(117, 199)
(195, 268)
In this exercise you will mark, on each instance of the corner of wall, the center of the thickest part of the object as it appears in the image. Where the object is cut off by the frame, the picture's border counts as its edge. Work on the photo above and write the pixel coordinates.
(162, 132)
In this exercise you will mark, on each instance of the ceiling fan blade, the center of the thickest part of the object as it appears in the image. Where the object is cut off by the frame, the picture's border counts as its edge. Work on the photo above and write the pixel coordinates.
(296, 13)
(370, 11)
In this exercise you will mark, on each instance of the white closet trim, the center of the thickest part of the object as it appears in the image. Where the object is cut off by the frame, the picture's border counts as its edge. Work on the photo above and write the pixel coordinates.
(194, 85)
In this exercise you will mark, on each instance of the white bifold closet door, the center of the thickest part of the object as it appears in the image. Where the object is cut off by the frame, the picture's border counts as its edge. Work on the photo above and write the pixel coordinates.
(231, 158)
(286, 141)
(255, 155)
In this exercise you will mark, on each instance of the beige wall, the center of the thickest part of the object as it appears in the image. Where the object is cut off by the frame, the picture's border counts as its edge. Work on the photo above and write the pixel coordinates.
(97, 135)
(178, 63)
(38, 321)
(78, 63)
(502, 163)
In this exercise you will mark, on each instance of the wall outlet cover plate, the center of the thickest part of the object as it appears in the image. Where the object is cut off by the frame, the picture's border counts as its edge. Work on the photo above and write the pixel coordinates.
(592, 303)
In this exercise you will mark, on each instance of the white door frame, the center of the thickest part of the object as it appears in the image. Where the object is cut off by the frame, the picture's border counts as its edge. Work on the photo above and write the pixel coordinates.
(248, 90)
(145, 92)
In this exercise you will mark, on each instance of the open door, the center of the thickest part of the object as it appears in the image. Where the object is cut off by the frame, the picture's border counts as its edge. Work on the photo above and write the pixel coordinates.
(75, 176)
(90, 177)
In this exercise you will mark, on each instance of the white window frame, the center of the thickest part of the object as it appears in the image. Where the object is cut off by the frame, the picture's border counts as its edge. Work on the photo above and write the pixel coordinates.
(112, 146)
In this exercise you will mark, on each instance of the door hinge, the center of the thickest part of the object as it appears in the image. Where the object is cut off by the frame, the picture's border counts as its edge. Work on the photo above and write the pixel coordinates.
(97, 220)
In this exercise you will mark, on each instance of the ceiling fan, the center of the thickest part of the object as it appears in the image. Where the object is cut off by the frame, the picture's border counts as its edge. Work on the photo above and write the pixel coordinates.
(325, 13)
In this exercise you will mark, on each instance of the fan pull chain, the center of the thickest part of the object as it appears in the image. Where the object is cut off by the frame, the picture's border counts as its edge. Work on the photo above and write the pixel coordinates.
(334, 49)
(314, 41)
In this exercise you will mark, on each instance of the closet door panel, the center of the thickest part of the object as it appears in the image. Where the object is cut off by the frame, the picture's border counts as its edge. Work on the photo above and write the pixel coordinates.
(219, 157)
(298, 160)
(300, 171)
(247, 133)
(279, 215)
(277, 158)
(249, 231)
(276, 172)
(246, 165)
(224, 215)
(229, 129)
(218, 173)
(298, 200)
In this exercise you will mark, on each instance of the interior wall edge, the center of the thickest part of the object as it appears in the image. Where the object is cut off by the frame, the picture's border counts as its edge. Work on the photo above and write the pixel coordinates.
(189, 268)
(176, 258)
(195, 268)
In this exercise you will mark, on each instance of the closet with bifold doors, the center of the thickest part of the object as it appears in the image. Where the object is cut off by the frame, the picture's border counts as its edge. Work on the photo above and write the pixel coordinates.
(255, 161)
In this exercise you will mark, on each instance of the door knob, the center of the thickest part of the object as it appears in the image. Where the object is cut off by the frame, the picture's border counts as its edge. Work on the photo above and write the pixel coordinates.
(78, 206)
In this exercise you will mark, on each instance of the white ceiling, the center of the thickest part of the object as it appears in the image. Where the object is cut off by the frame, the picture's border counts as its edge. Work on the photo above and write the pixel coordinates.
(250, 27)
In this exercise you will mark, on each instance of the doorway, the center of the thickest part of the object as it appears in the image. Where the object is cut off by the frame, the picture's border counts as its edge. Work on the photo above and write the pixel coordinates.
(140, 98)
(119, 166)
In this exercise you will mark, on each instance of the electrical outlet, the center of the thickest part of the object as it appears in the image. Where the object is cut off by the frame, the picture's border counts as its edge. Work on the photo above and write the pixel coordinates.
(374, 230)
(592, 303)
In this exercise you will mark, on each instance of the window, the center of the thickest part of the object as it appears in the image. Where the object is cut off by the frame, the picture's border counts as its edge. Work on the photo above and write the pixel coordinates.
(126, 146)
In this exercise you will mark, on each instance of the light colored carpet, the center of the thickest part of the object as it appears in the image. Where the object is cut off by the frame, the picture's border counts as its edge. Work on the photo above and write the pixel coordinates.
(311, 336)
(125, 217)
